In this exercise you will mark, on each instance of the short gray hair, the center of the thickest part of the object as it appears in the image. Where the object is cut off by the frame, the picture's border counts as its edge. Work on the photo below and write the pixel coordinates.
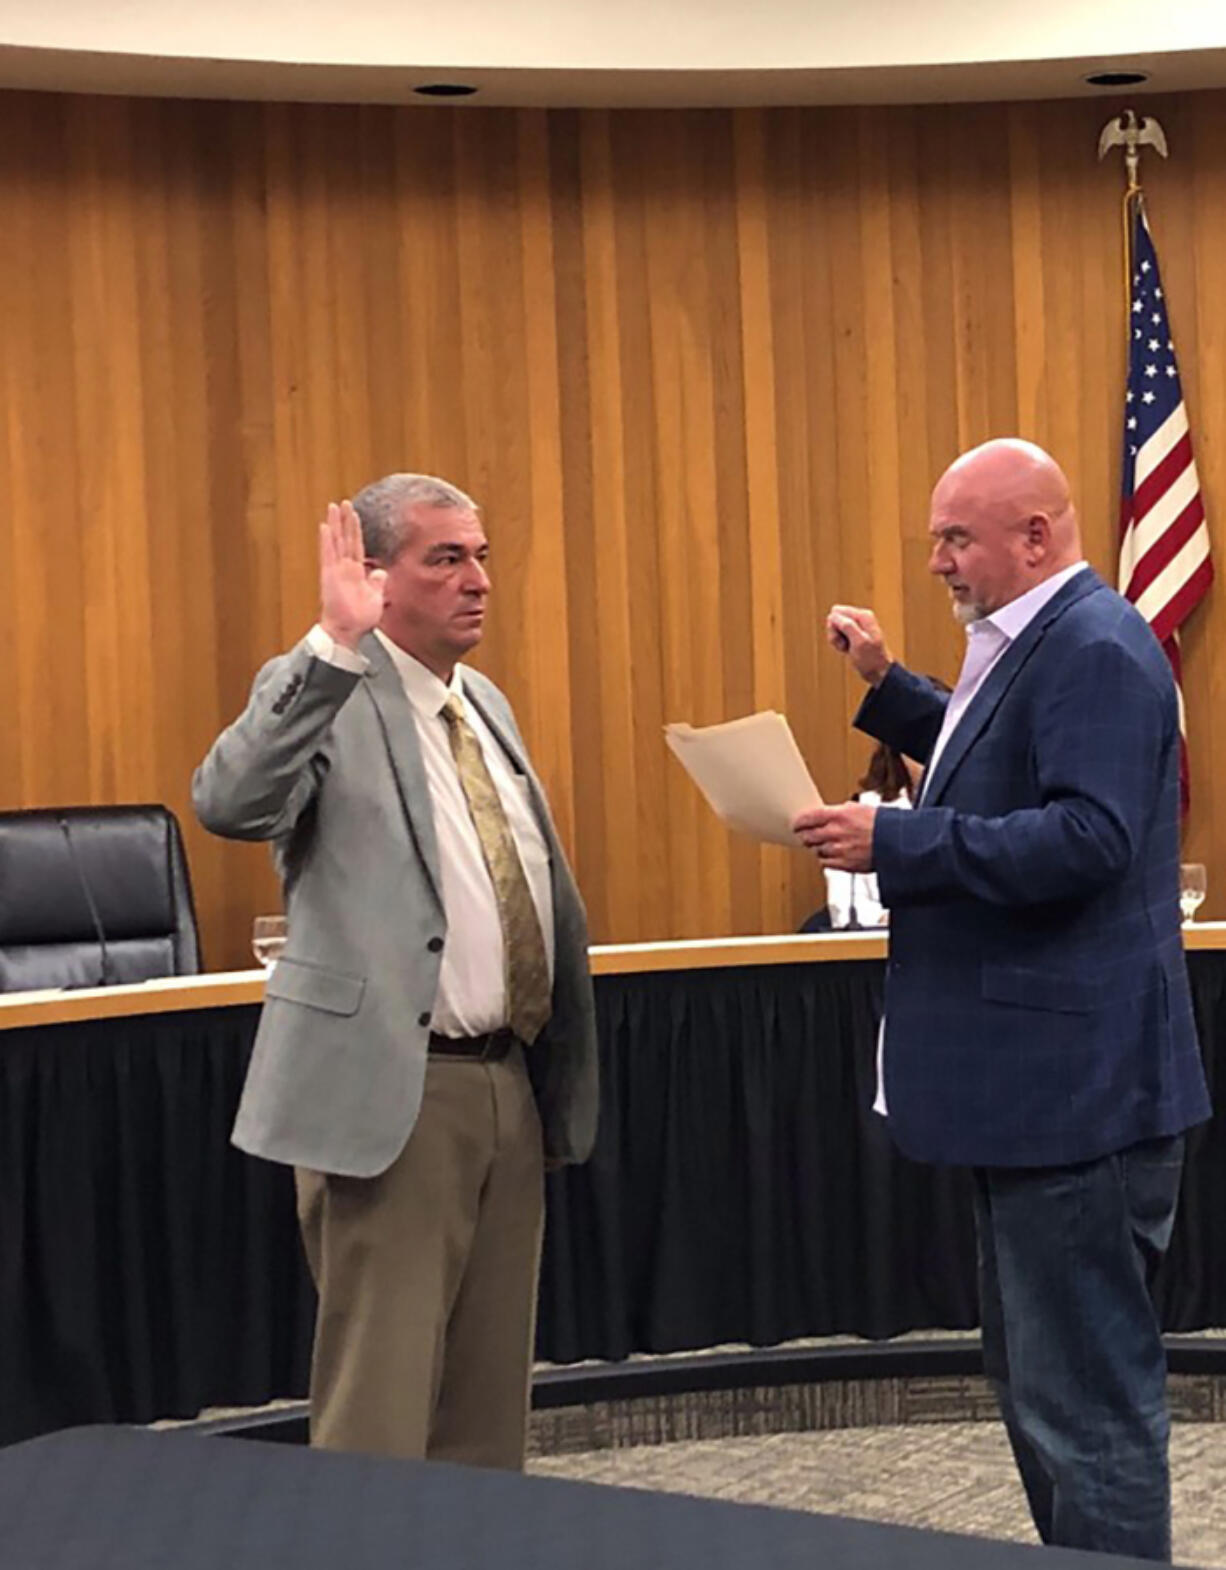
(382, 507)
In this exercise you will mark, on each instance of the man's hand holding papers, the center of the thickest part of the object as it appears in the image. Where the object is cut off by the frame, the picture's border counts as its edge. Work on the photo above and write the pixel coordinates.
(841, 836)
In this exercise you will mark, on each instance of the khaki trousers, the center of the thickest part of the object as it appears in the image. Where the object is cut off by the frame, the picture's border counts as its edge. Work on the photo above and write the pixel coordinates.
(427, 1277)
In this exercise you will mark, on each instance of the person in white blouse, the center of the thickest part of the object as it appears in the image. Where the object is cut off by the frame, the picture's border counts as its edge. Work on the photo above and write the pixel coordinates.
(852, 898)
(891, 780)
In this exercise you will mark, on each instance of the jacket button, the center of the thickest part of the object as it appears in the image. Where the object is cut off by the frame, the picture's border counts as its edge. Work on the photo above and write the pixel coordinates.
(423, 1019)
(434, 945)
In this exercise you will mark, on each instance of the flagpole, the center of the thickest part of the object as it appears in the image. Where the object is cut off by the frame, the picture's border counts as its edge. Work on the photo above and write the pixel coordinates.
(1131, 195)
(1131, 133)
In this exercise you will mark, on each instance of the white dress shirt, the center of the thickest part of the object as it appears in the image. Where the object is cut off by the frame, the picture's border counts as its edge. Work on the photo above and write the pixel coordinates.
(986, 640)
(471, 995)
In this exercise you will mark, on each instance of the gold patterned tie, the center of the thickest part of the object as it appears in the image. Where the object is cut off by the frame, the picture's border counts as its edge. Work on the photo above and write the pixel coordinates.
(526, 964)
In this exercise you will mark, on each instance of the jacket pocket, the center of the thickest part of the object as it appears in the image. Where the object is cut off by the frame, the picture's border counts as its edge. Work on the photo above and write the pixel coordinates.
(315, 986)
(1051, 991)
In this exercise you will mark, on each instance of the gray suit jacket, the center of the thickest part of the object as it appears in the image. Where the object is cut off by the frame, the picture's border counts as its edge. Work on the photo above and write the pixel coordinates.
(327, 765)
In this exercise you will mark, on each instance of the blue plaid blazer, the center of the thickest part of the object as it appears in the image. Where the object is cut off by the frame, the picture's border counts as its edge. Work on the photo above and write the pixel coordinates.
(1037, 1005)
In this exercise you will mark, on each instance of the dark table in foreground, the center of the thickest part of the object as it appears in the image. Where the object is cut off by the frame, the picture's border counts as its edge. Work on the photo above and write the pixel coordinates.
(741, 1189)
(116, 1499)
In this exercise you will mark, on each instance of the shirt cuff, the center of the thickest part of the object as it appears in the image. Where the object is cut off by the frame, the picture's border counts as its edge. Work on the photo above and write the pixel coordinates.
(326, 648)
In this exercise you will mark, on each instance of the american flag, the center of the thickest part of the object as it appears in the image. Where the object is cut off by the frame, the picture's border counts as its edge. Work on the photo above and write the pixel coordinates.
(1165, 568)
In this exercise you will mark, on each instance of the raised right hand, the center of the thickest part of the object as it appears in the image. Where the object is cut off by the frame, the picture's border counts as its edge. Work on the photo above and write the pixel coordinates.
(350, 597)
(853, 631)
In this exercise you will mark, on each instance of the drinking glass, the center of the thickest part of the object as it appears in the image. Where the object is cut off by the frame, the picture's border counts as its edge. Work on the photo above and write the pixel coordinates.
(268, 934)
(1191, 889)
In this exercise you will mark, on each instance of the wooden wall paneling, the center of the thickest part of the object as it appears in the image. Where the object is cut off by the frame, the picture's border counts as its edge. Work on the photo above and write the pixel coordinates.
(196, 639)
(976, 168)
(245, 418)
(731, 503)
(613, 648)
(650, 767)
(209, 622)
(324, 391)
(721, 641)
(800, 528)
(1067, 375)
(829, 533)
(370, 247)
(701, 369)
(49, 650)
(357, 305)
(807, 508)
(110, 503)
(678, 286)
(20, 577)
(295, 335)
(884, 520)
(1204, 655)
(549, 679)
(488, 262)
(658, 205)
(938, 277)
(12, 393)
(1184, 215)
(845, 569)
(491, 368)
(206, 300)
(1028, 317)
(431, 387)
(250, 616)
(764, 554)
(933, 643)
(578, 502)
(1096, 243)
(917, 604)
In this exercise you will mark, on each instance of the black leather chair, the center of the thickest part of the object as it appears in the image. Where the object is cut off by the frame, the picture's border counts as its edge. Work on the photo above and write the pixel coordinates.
(91, 896)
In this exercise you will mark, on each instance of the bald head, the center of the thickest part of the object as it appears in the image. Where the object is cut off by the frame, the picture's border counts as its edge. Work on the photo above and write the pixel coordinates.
(1002, 521)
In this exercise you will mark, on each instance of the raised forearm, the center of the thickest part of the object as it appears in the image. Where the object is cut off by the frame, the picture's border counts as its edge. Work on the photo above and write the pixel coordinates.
(264, 768)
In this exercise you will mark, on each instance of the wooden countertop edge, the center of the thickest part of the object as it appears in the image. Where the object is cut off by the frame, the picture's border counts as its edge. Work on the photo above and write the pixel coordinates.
(238, 988)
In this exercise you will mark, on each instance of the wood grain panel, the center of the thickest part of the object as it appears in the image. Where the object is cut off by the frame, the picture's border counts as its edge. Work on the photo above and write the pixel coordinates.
(700, 368)
(763, 544)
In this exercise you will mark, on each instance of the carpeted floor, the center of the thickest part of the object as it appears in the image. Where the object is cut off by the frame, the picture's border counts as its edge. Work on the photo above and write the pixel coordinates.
(958, 1477)
(918, 1451)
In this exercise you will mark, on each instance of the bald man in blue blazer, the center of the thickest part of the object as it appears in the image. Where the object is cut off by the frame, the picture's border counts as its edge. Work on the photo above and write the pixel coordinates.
(1038, 1026)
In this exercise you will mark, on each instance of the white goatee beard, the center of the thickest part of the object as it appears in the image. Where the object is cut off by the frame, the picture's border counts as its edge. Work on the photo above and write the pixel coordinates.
(965, 612)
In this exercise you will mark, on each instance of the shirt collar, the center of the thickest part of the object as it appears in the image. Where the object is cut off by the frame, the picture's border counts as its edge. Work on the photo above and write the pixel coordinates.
(1011, 620)
(424, 690)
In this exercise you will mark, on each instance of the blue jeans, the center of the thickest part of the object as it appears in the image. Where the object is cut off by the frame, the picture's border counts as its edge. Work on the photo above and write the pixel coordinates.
(1072, 1343)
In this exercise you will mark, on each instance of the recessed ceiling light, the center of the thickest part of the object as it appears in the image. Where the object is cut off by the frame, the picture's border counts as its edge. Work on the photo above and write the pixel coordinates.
(446, 89)
(1116, 78)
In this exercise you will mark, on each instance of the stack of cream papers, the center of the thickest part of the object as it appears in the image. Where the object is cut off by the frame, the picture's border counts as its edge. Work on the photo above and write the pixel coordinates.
(750, 771)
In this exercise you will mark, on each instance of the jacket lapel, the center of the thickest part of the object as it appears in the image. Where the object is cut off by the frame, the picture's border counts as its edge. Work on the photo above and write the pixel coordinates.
(1000, 678)
(519, 760)
(400, 735)
(514, 751)
(503, 736)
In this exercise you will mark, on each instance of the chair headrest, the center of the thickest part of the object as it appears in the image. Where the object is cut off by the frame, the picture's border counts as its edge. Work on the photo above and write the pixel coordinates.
(123, 854)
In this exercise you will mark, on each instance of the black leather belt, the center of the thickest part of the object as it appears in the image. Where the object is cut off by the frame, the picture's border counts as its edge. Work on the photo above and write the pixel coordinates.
(491, 1047)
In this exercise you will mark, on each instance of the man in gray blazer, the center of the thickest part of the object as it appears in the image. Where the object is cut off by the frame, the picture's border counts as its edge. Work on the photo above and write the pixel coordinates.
(427, 1043)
